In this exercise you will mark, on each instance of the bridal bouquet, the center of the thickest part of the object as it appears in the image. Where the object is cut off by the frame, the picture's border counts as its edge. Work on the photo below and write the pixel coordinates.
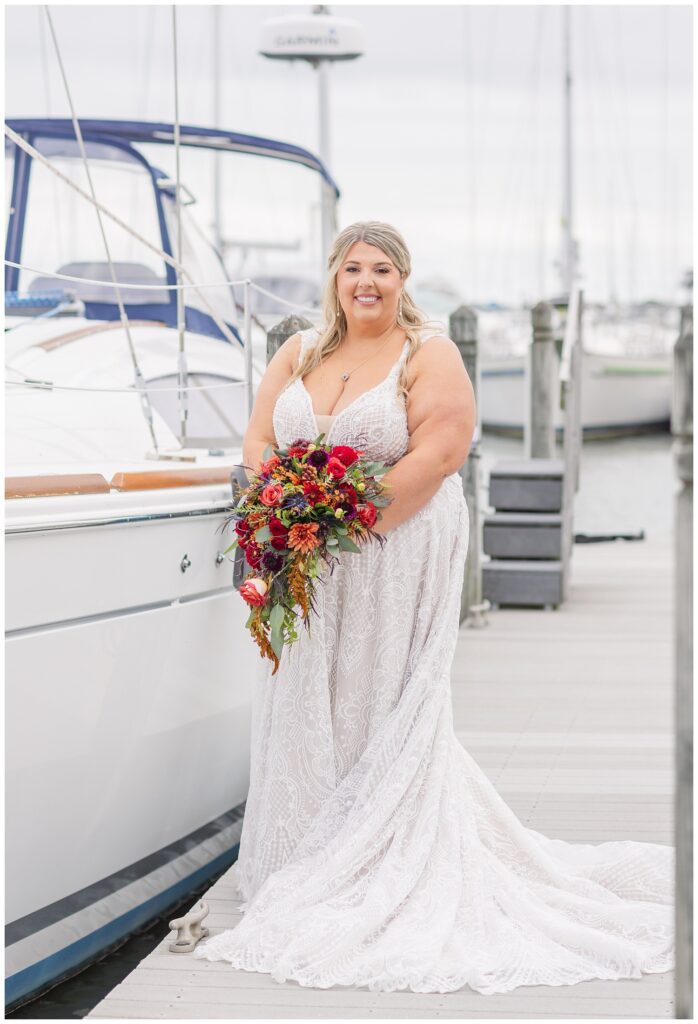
(307, 503)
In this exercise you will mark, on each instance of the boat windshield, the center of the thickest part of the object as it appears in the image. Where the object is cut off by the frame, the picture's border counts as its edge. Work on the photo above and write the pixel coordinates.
(61, 235)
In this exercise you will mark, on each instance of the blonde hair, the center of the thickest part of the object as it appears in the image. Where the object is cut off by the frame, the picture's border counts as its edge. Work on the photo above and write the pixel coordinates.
(386, 238)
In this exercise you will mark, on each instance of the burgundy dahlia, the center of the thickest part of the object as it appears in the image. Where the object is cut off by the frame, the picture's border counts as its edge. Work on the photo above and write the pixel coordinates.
(272, 560)
(318, 457)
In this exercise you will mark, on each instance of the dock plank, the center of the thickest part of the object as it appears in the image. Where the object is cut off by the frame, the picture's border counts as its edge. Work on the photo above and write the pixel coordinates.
(570, 714)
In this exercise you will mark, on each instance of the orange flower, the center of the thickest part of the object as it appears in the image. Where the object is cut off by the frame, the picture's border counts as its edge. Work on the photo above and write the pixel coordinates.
(303, 536)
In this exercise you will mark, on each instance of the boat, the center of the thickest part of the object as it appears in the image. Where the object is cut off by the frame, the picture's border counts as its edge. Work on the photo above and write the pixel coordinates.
(625, 382)
(626, 373)
(129, 671)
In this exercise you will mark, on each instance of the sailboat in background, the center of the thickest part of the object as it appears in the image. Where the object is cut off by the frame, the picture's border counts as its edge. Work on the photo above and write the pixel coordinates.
(626, 360)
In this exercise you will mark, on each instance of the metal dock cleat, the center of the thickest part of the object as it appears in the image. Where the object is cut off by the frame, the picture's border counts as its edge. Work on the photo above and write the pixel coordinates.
(189, 929)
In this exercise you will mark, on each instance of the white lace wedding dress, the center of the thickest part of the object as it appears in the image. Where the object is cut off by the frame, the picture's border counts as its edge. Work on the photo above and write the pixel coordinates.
(375, 851)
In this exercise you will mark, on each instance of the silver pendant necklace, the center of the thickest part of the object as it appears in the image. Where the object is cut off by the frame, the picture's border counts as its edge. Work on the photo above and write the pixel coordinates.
(348, 373)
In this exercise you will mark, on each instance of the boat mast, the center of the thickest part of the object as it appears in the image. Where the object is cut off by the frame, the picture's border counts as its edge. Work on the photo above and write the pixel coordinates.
(569, 254)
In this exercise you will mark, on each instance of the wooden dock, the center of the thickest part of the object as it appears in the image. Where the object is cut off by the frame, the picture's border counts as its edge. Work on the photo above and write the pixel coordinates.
(570, 713)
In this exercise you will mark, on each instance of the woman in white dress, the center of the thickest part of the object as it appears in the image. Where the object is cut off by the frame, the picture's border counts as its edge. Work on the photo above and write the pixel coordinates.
(375, 851)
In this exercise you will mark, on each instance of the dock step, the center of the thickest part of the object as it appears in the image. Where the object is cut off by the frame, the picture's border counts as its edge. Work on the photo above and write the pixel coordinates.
(522, 535)
(522, 582)
(527, 485)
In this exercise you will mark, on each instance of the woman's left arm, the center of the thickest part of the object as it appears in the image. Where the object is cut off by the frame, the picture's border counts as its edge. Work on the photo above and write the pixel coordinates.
(441, 419)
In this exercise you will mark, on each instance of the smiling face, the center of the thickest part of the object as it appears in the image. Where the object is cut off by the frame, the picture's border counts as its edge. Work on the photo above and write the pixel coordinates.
(368, 286)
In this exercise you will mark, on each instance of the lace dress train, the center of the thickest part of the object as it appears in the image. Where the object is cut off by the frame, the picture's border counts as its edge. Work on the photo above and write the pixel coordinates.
(375, 851)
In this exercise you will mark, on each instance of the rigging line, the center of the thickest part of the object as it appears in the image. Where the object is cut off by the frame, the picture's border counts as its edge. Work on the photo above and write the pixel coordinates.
(529, 162)
(182, 362)
(161, 287)
(621, 148)
(49, 113)
(471, 152)
(664, 255)
(36, 155)
(142, 96)
(596, 201)
(145, 400)
(48, 385)
(515, 161)
(512, 181)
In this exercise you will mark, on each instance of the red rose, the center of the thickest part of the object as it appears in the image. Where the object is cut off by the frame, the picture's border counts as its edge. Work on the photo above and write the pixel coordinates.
(345, 454)
(368, 514)
(279, 533)
(297, 450)
(272, 494)
(253, 554)
(336, 468)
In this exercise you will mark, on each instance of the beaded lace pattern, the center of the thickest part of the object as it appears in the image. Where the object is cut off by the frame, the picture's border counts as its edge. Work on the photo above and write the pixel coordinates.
(375, 851)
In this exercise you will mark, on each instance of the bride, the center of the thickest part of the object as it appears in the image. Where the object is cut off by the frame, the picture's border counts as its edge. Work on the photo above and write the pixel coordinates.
(374, 850)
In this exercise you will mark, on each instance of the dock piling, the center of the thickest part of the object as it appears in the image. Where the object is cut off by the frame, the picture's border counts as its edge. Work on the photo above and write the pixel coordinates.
(462, 326)
(682, 429)
(541, 426)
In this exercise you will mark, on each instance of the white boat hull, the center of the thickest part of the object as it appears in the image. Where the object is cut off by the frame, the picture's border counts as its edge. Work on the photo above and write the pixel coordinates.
(619, 394)
(129, 686)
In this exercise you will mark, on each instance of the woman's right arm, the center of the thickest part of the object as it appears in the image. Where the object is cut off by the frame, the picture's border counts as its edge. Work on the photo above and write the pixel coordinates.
(260, 428)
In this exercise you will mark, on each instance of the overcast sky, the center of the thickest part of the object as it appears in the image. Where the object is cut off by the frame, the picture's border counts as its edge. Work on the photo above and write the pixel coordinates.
(449, 126)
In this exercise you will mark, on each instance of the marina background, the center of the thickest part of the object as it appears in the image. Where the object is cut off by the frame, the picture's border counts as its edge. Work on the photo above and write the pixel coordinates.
(449, 127)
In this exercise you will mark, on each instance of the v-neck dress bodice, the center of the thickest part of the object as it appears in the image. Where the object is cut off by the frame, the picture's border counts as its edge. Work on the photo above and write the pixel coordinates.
(375, 421)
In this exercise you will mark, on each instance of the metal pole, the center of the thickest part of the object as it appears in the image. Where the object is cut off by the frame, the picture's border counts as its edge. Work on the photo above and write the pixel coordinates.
(326, 199)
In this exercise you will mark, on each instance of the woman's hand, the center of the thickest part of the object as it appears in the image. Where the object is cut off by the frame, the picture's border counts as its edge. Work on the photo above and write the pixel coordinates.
(441, 416)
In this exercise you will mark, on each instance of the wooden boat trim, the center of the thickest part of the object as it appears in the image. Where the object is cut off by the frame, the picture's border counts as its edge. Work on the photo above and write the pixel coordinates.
(155, 479)
(94, 483)
(48, 486)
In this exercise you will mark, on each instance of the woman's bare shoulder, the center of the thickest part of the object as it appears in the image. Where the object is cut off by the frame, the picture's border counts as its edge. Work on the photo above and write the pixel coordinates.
(435, 355)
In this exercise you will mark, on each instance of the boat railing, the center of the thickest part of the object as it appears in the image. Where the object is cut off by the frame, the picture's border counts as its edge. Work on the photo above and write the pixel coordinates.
(248, 284)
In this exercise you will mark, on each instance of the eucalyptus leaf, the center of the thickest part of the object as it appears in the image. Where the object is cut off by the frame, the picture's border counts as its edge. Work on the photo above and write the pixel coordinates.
(346, 544)
(262, 534)
(277, 644)
(276, 617)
